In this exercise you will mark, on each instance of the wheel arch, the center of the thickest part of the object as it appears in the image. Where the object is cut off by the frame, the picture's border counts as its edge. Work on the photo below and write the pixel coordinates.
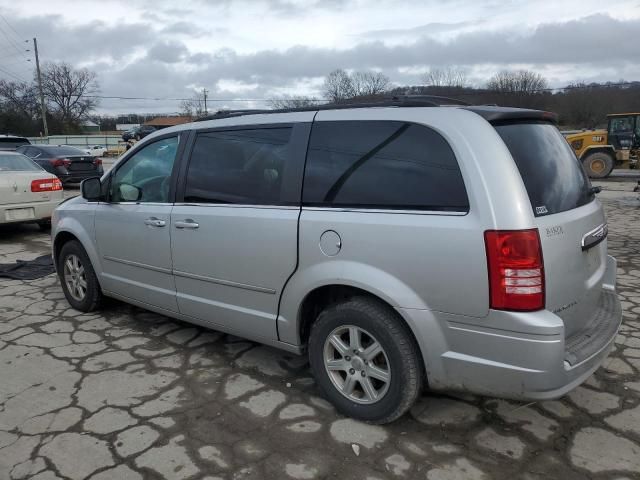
(321, 297)
(65, 235)
(608, 149)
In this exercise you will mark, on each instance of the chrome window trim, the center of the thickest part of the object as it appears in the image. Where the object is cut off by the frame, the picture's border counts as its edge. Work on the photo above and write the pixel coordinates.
(387, 210)
(153, 204)
(238, 205)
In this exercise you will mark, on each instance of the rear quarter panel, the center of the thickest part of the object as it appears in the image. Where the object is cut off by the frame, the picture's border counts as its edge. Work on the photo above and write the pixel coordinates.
(428, 261)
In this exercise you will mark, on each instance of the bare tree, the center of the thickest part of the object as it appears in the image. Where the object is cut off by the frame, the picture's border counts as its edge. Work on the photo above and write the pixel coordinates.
(194, 107)
(20, 97)
(338, 86)
(521, 82)
(446, 77)
(69, 91)
(369, 83)
(292, 102)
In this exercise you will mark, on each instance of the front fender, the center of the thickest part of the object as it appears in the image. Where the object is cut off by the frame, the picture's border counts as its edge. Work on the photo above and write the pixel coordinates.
(81, 226)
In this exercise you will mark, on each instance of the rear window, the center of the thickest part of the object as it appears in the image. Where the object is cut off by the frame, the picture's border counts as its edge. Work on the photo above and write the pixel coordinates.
(17, 163)
(12, 142)
(382, 165)
(552, 175)
(69, 151)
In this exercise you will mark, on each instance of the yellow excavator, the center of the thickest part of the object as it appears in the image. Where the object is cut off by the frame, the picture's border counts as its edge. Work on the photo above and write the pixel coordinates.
(602, 150)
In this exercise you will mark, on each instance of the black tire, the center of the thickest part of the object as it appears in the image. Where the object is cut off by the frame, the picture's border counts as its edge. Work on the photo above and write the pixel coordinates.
(45, 225)
(400, 348)
(93, 296)
(598, 164)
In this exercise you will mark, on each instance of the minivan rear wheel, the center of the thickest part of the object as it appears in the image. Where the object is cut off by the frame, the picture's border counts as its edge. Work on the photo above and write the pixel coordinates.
(79, 282)
(365, 360)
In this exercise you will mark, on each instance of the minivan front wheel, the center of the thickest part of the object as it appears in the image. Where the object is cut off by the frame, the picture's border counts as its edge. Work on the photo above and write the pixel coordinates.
(79, 282)
(365, 360)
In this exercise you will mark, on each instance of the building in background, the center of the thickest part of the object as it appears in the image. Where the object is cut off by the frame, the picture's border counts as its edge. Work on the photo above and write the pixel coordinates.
(164, 122)
(89, 126)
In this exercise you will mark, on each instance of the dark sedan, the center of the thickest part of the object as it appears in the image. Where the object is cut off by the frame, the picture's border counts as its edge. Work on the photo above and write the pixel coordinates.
(69, 164)
(138, 133)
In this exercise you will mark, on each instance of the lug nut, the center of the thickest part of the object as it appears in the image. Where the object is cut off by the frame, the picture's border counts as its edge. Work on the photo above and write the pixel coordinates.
(352, 371)
(363, 374)
(347, 358)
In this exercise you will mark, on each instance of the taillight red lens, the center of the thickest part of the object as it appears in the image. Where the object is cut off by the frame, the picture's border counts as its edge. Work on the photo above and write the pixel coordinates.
(60, 162)
(46, 185)
(97, 161)
(516, 269)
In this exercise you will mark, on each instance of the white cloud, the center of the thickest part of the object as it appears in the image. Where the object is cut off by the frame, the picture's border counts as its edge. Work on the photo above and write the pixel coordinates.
(263, 48)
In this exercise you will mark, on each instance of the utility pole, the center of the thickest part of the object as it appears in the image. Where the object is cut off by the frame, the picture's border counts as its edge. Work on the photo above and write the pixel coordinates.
(204, 92)
(43, 107)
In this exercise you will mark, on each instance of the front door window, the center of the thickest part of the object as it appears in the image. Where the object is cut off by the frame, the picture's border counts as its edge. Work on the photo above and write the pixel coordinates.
(146, 176)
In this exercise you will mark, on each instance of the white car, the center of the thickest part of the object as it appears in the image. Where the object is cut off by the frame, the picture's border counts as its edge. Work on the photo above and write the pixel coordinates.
(28, 194)
(94, 150)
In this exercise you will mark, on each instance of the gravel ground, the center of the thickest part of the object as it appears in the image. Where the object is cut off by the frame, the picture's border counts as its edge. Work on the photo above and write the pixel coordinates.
(128, 394)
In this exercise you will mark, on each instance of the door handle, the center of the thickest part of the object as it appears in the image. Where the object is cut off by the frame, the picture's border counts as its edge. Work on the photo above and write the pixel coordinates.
(155, 222)
(188, 223)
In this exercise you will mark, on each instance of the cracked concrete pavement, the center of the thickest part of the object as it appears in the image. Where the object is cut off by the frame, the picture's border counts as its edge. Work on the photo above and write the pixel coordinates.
(128, 394)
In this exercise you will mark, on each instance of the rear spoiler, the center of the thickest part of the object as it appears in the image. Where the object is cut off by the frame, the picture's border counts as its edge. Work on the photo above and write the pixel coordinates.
(505, 114)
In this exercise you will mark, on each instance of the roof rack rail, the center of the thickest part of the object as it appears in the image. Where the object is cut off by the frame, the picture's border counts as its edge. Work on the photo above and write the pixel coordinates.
(395, 101)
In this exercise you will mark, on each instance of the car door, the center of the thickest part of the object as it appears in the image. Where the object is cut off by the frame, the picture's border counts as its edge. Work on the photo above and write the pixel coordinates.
(133, 226)
(234, 233)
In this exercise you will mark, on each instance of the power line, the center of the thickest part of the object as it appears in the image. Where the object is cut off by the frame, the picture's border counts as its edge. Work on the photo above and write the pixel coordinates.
(11, 42)
(474, 92)
(162, 99)
(6, 72)
(18, 36)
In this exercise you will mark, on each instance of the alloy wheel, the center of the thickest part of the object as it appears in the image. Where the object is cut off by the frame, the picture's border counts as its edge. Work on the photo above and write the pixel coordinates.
(357, 364)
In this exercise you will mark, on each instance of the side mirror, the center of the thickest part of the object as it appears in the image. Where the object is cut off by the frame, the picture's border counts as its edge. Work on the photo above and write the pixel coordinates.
(129, 193)
(91, 189)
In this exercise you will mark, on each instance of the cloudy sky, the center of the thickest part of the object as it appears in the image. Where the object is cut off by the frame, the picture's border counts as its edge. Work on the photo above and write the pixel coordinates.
(260, 49)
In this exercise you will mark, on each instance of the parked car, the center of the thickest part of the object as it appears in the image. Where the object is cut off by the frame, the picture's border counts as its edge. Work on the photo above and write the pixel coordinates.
(69, 164)
(461, 248)
(93, 150)
(28, 194)
(11, 142)
(138, 133)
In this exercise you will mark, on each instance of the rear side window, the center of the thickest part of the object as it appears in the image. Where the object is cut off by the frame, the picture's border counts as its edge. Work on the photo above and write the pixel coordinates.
(382, 164)
(238, 166)
(552, 175)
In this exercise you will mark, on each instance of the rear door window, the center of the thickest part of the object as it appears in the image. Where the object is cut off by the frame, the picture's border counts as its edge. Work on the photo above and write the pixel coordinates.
(382, 165)
(554, 179)
(238, 166)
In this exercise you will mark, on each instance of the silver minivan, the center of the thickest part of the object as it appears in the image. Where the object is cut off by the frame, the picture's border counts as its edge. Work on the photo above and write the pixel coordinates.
(399, 245)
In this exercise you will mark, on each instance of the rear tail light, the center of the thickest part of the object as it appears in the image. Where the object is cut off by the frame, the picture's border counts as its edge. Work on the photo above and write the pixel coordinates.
(97, 161)
(60, 162)
(516, 269)
(46, 185)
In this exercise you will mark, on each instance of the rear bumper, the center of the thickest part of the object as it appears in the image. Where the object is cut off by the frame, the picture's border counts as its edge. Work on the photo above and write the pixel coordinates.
(77, 177)
(41, 211)
(537, 365)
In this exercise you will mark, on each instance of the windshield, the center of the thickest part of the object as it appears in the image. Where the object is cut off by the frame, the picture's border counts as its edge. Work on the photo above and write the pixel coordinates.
(552, 175)
(17, 163)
